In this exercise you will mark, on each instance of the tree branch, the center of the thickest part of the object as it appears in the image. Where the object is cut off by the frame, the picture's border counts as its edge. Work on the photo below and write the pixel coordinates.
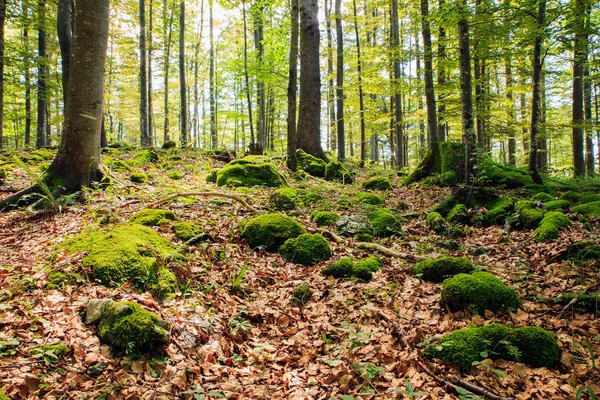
(389, 252)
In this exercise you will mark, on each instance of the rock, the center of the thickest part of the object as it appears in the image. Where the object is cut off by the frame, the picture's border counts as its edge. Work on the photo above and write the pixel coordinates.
(93, 310)
(354, 224)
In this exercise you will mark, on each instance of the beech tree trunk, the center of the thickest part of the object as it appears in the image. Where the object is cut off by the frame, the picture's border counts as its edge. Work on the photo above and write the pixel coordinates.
(2, 20)
(292, 88)
(398, 123)
(211, 79)
(182, 82)
(441, 78)
(536, 94)
(64, 28)
(144, 134)
(332, 142)
(363, 139)
(578, 66)
(339, 33)
(261, 123)
(151, 133)
(167, 51)
(432, 125)
(42, 112)
(512, 143)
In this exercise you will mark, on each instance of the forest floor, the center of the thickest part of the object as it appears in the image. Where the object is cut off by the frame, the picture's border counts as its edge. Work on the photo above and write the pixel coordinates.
(350, 340)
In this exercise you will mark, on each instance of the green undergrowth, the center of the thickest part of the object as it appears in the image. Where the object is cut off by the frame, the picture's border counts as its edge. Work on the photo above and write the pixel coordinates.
(270, 231)
(153, 217)
(530, 213)
(438, 269)
(350, 268)
(377, 183)
(306, 249)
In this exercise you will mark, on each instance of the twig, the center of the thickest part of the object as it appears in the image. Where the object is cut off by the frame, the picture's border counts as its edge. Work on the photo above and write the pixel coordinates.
(389, 252)
(565, 308)
(206, 194)
(336, 238)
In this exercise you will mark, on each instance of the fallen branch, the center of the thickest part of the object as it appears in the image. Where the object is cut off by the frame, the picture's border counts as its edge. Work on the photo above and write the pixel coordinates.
(455, 382)
(336, 238)
(206, 194)
(389, 252)
(564, 309)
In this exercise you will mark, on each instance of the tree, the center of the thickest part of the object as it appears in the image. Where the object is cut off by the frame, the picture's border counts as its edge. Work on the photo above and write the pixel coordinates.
(292, 88)
(398, 124)
(213, 86)
(77, 162)
(42, 111)
(309, 113)
(2, 19)
(579, 57)
(432, 125)
(144, 133)
(168, 28)
(64, 27)
(363, 139)
(536, 93)
(339, 32)
(182, 83)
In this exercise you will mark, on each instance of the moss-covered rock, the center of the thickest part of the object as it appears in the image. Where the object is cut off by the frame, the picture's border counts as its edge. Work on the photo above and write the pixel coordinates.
(372, 264)
(58, 279)
(445, 206)
(531, 345)
(300, 175)
(144, 157)
(438, 269)
(350, 268)
(175, 175)
(479, 291)
(335, 171)
(437, 223)
(306, 249)
(284, 199)
(212, 176)
(571, 196)
(590, 209)
(249, 172)
(550, 226)
(459, 215)
(354, 224)
(589, 198)
(498, 210)
(126, 324)
(169, 144)
(153, 217)
(557, 205)
(127, 252)
(385, 223)
(530, 215)
(325, 218)
(370, 199)
(138, 177)
(310, 164)
(270, 231)
(543, 197)
(189, 232)
(377, 183)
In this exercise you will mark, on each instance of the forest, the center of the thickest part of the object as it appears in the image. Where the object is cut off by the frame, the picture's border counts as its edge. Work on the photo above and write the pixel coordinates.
(308, 199)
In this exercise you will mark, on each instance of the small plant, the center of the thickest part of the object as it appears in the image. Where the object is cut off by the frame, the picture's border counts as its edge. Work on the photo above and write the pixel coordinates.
(410, 390)
(237, 279)
(239, 324)
(50, 353)
(581, 390)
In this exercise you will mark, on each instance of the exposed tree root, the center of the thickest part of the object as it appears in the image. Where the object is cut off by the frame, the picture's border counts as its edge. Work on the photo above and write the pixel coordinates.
(453, 383)
(13, 200)
(206, 194)
(336, 238)
(374, 246)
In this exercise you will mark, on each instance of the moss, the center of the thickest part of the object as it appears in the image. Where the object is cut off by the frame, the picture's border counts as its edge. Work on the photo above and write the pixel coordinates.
(249, 174)
(377, 183)
(590, 209)
(126, 252)
(589, 198)
(557, 205)
(175, 158)
(550, 226)
(153, 217)
(530, 215)
(582, 251)
(212, 176)
(306, 249)
(310, 164)
(498, 211)
(144, 157)
(119, 165)
(585, 302)
(480, 290)
(348, 268)
(543, 197)
(324, 218)
(58, 279)
(571, 196)
(370, 263)
(166, 284)
(284, 199)
(537, 346)
(187, 231)
(459, 215)
(3, 396)
(497, 175)
(138, 177)
(299, 175)
(437, 223)
(270, 231)
(438, 269)
(446, 206)
(127, 325)
(169, 144)
(363, 237)
(175, 175)
(335, 171)
(444, 160)
(385, 223)
(301, 294)
(166, 166)
(309, 197)
(369, 198)
(254, 159)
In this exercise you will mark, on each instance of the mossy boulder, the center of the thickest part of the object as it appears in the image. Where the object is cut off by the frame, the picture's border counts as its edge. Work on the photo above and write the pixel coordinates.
(175, 175)
(138, 177)
(590, 209)
(335, 171)
(437, 223)
(284, 199)
(459, 215)
(270, 231)
(325, 218)
(212, 176)
(498, 210)
(385, 223)
(351, 268)
(369, 199)
(310, 164)
(571, 196)
(438, 269)
(126, 324)
(354, 224)
(189, 232)
(479, 291)
(249, 171)
(377, 183)
(144, 157)
(543, 197)
(557, 205)
(58, 279)
(531, 345)
(306, 249)
(169, 144)
(530, 214)
(153, 217)
(550, 226)
(446, 206)
(128, 253)
(589, 198)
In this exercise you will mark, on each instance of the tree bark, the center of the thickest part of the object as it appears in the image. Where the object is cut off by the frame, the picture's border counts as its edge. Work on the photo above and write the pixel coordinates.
(261, 128)
(398, 123)
(292, 88)
(247, 80)
(2, 21)
(167, 51)
(363, 139)
(441, 78)
(64, 27)
(151, 133)
(330, 84)
(182, 82)
(512, 143)
(339, 33)
(432, 125)
(587, 99)
(578, 66)
(212, 95)
(309, 112)
(536, 93)
(42, 113)
(144, 134)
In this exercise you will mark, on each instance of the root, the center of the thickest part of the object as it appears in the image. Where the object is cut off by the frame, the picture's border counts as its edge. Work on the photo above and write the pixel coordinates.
(206, 194)
(13, 200)
(374, 246)
(336, 238)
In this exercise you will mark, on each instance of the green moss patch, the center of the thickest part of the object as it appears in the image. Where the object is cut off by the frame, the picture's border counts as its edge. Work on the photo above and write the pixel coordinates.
(530, 215)
(270, 231)
(591, 209)
(543, 197)
(350, 268)
(438, 269)
(437, 223)
(370, 199)
(175, 175)
(153, 217)
(385, 223)
(498, 210)
(324, 218)
(479, 291)
(550, 226)
(144, 157)
(557, 205)
(377, 183)
(446, 206)
(310, 164)
(585, 198)
(335, 171)
(188, 232)
(284, 199)
(58, 279)
(247, 173)
(531, 345)
(306, 249)
(138, 177)
(459, 215)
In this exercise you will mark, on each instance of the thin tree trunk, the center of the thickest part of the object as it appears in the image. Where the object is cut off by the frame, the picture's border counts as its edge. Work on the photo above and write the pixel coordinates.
(212, 84)
(182, 81)
(512, 143)
(42, 113)
(330, 84)
(2, 21)
(587, 101)
(339, 32)
(536, 93)
(578, 66)
(151, 133)
(398, 123)
(363, 139)
(64, 28)
(441, 78)
(144, 134)
(432, 125)
(261, 131)
(292, 88)
(167, 51)
(247, 78)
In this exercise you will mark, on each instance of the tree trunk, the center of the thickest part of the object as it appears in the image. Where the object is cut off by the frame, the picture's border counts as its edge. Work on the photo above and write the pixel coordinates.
(42, 113)
(64, 27)
(398, 123)
(167, 51)
(339, 33)
(261, 131)
(578, 66)
(587, 100)
(330, 85)
(151, 133)
(144, 134)
(247, 80)
(292, 88)
(512, 143)
(536, 93)
(309, 110)
(182, 82)
(441, 78)
(2, 20)
(363, 139)
(212, 84)
(432, 124)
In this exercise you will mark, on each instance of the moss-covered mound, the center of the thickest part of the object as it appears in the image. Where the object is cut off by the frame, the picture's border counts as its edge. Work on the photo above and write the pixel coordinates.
(310, 164)
(498, 210)
(212, 176)
(306, 249)
(144, 157)
(591, 209)
(550, 226)
(370, 199)
(270, 231)
(249, 171)
(335, 171)
(385, 223)
(445, 206)
(126, 324)
(127, 252)
(58, 279)
(377, 183)
(438, 269)
(153, 217)
(530, 215)
(531, 345)
(480, 291)
(543, 197)
(175, 175)
(188, 232)
(350, 268)
(459, 215)
(437, 223)
(138, 177)
(324, 218)
(557, 205)
(284, 199)
(445, 160)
